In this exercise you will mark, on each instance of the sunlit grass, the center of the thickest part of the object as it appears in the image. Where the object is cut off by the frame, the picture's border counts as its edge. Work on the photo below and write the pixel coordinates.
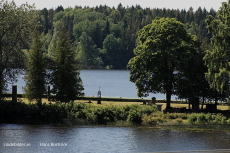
(175, 105)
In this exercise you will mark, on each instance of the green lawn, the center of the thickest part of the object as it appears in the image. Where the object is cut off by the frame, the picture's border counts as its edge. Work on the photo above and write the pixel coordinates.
(220, 107)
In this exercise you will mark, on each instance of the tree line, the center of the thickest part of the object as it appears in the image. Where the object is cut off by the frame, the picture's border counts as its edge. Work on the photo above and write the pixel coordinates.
(105, 37)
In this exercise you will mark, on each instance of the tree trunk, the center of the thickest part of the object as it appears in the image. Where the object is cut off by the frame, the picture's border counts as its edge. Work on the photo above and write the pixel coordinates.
(168, 99)
(202, 103)
(189, 102)
(39, 102)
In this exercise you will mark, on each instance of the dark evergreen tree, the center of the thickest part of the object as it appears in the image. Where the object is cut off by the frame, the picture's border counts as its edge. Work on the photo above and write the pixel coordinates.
(59, 8)
(65, 75)
(45, 20)
(35, 70)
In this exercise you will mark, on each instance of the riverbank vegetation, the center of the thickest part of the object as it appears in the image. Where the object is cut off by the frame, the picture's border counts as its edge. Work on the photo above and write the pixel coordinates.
(71, 114)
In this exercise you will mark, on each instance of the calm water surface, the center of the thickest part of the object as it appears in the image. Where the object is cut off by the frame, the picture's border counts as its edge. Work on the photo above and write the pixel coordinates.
(108, 139)
(112, 83)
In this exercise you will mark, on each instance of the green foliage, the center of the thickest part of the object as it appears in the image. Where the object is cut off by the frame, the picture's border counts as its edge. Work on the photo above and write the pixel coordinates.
(123, 23)
(201, 119)
(65, 77)
(192, 119)
(111, 114)
(89, 114)
(94, 27)
(134, 117)
(207, 119)
(113, 51)
(179, 121)
(175, 115)
(158, 118)
(219, 119)
(228, 121)
(87, 53)
(161, 49)
(217, 58)
(16, 25)
(31, 113)
(153, 120)
(35, 70)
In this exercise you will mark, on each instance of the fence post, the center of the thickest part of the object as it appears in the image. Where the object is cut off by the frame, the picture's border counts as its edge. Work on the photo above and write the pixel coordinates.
(48, 93)
(14, 93)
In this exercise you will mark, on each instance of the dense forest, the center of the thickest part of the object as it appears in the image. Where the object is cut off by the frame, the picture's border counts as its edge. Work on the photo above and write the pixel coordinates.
(104, 37)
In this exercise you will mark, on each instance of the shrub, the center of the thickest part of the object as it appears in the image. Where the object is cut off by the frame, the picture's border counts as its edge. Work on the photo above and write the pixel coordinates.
(147, 109)
(228, 121)
(155, 120)
(121, 113)
(201, 119)
(220, 119)
(207, 118)
(192, 118)
(134, 117)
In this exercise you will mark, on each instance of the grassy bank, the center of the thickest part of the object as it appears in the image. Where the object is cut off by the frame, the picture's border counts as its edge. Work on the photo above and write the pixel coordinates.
(72, 113)
(126, 101)
(109, 113)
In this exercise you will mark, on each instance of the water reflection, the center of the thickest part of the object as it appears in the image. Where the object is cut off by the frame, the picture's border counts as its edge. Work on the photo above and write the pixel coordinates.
(109, 139)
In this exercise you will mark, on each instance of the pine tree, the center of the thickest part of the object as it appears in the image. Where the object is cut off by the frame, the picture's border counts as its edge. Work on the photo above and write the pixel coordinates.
(35, 70)
(65, 77)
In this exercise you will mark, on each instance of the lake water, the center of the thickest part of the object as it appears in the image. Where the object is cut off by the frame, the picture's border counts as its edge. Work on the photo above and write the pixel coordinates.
(25, 139)
(112, 83)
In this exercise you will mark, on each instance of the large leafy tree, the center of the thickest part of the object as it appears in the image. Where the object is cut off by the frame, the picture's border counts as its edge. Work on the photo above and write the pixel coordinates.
(35, 69)
(162, 47)
(217, 58)
(16, 23)
(65, 75)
